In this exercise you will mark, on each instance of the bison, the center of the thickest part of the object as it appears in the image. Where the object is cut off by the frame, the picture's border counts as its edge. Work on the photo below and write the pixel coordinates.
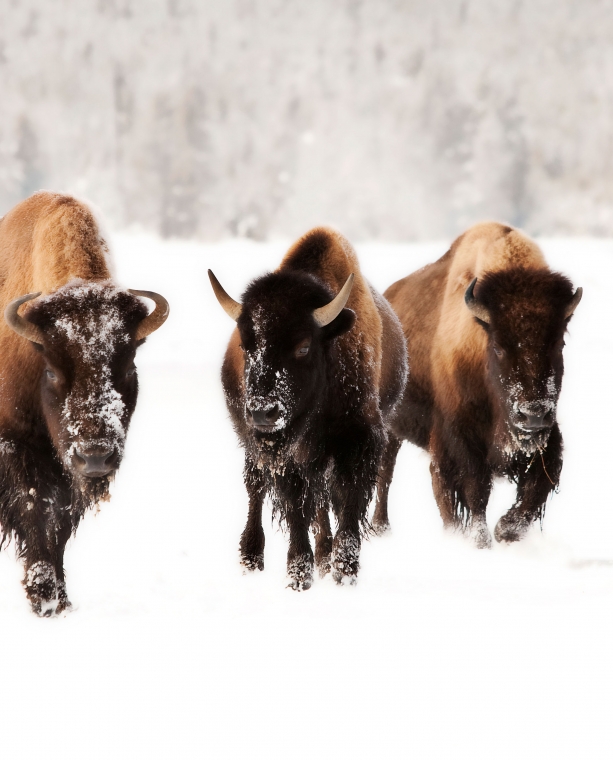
(68, 383)
(485, 329)
(311, 375)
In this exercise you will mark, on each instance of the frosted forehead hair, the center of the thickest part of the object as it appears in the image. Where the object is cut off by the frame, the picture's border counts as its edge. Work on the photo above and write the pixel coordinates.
(94, 333)
(81, 296)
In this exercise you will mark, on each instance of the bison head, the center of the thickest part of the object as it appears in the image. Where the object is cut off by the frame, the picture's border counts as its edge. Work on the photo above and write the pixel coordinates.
(525, 314)
(287, 322)
(87, 333)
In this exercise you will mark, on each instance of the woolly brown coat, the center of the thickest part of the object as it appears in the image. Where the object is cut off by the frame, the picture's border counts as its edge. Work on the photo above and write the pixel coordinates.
(475, 385)
(45, 242)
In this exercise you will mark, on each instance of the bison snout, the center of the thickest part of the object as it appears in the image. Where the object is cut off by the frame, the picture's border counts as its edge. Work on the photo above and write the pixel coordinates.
(264, 417)
(532, 422)
(95, 462)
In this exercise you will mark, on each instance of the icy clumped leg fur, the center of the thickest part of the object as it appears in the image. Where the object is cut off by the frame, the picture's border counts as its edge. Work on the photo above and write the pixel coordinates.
(42, 589)
(346, 560)
(300, 572)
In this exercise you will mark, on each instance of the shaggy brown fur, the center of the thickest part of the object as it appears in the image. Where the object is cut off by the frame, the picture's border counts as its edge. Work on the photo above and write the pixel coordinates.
(481, 396)
(66, 399)
(336, 403)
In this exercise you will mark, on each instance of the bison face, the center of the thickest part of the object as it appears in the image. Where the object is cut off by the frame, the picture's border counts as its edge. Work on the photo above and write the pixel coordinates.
(525, 314)
(87, 334)
(287, 322)
(526, 377)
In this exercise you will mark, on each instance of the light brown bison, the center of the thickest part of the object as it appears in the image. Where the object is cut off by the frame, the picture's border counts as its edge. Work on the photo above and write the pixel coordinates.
(485, 331)
(68, 383)
(310, 386)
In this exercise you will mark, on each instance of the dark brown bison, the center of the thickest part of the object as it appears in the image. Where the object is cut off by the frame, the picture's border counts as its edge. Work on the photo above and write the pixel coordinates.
(485, 331)
(67, 377)
(310, 386)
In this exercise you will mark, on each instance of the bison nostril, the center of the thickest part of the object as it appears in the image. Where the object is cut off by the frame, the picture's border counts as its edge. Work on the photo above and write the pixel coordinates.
(264, 417)
(273, 413)
(521, 416)
(95, 462)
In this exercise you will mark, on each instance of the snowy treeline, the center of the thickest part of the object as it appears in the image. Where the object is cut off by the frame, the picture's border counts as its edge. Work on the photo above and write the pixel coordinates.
(393, 119)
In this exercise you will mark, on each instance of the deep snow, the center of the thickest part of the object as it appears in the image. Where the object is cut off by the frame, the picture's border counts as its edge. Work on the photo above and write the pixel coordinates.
(440, 651)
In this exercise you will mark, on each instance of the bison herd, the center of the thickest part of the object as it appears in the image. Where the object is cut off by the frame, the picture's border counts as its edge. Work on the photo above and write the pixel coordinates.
(323, 379)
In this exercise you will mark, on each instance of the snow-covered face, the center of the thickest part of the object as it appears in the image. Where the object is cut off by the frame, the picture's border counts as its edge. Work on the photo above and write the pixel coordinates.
(524, 313)
(283, 369)
(526, 369)
(285, 351)
(89, 384)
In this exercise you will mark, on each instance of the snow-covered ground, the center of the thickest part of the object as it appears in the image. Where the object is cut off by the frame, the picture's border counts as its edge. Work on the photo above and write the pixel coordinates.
(440, 651)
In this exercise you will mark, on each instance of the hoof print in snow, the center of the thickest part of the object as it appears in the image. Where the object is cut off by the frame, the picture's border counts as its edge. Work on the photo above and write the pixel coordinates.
(42, 589)
(300, 573)
(251, 563)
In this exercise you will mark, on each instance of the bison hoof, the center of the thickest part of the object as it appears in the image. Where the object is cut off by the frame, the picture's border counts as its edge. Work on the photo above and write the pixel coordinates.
(300, 573)
(346, 560)
(511, 528)
(42, 589)
(323, 564)
(252, 562)
(64, 603)
(481, 536)
(381, 527)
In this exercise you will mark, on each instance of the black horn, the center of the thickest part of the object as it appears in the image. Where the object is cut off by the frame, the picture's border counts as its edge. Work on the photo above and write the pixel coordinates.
(476, 309)
(574, 302)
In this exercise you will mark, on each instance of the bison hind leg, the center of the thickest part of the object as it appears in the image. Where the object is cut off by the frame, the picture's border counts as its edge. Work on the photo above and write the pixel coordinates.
(323, 541)
(380, 520)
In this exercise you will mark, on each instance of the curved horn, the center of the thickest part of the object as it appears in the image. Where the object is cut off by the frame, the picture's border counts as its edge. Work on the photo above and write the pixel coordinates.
(476, 309)
(229, 305)
(157, 317)
(574, 302)
(325, 314)
(20, 325)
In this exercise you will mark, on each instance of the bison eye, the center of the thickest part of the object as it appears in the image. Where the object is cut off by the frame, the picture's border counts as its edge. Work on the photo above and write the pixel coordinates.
(51, 375)
(497, 350)
(302, 349)
(131, 371)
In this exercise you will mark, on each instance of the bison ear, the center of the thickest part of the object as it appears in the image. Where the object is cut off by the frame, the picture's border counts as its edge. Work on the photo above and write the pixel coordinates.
(339, 325)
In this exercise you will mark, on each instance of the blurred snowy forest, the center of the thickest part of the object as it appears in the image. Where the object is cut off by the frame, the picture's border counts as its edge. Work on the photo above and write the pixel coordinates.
(392, 119)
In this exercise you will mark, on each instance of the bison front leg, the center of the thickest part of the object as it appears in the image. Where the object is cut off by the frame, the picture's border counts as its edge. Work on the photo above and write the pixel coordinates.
(35, 509)
(538, 476)
(43, 533)
(358, 457)
(300, 554)
(252, 539)
(380, 520)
